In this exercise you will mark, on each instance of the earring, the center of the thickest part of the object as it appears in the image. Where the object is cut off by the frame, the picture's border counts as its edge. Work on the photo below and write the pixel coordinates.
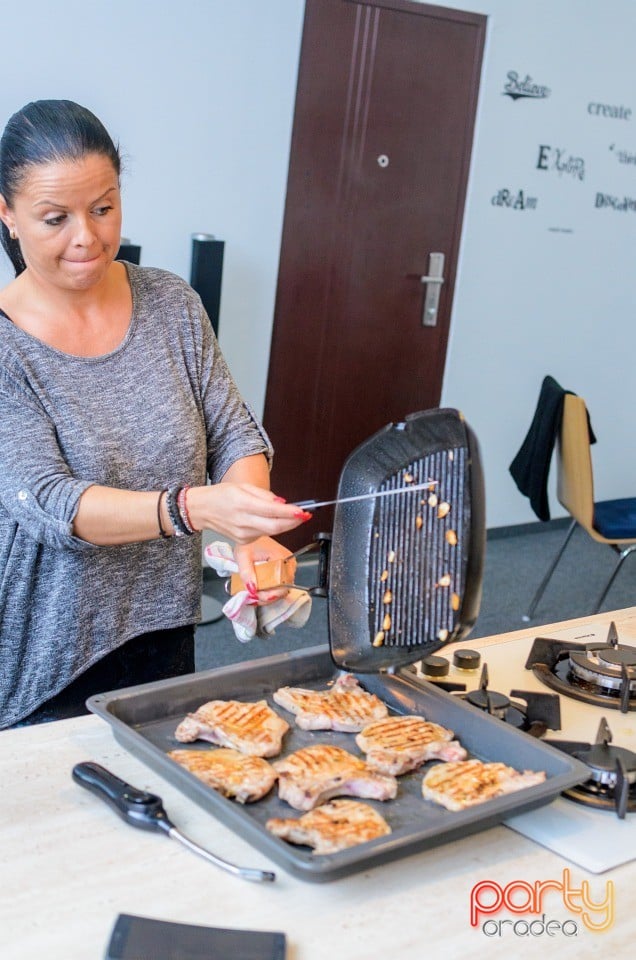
(13, 234)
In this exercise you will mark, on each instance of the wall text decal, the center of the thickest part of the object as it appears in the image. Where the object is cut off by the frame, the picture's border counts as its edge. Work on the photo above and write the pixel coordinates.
(518, 89)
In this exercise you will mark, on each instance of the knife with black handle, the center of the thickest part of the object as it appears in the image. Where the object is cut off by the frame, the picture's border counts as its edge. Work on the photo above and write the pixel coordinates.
(146, 812)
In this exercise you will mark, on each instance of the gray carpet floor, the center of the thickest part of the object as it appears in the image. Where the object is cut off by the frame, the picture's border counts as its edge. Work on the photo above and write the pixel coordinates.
(515, 565)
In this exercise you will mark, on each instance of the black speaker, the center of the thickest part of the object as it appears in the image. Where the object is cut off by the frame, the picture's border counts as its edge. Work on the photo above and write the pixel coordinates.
(128, 251)
(207, 272)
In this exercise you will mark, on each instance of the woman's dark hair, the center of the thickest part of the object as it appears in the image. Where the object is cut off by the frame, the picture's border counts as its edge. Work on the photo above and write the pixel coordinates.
(43, 132)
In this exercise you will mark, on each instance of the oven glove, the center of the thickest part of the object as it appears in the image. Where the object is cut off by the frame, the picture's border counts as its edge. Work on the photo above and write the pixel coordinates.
(248, 620)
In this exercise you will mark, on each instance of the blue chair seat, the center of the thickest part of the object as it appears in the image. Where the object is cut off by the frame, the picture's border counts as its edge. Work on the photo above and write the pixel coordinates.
(616, 519)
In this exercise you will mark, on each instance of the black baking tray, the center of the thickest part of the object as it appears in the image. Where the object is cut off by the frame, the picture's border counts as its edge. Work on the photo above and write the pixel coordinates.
(144, 718)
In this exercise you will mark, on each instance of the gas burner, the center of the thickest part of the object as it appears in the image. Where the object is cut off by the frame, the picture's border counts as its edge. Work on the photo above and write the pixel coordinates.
(600, 673)
(612, 781)
(537, 713)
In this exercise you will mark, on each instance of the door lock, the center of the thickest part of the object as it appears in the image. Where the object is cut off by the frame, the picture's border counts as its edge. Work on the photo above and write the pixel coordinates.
(433, 282)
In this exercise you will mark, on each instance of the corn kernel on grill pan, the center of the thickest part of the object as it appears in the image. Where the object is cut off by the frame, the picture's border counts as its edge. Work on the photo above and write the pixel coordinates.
(406, 570)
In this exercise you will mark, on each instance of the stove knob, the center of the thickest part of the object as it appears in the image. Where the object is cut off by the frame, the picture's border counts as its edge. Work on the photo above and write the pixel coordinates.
(435, 666)
(466, 659)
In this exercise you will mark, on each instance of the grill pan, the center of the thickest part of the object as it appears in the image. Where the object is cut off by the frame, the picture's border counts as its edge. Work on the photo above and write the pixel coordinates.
(406, 570)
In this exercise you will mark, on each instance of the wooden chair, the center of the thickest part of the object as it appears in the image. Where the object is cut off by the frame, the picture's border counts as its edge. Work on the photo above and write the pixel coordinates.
(609, 521)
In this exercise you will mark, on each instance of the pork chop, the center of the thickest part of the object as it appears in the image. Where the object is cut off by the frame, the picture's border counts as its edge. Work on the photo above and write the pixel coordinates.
(344, 706)
(467, 782)
(312, 775)
(396, 745)
(253, 728)
(228, 771)
(333, 826)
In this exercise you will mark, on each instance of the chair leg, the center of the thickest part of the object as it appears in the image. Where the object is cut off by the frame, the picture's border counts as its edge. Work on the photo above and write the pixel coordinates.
(535, 600)
(622, 556)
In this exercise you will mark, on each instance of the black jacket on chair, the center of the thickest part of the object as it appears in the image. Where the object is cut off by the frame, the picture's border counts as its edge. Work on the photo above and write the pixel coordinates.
(531, 466)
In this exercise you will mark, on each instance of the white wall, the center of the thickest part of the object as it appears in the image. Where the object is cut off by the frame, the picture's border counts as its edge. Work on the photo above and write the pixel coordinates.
(200, 94)
(530, 298)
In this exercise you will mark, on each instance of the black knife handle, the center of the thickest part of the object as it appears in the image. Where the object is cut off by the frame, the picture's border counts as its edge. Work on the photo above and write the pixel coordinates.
(137, 807)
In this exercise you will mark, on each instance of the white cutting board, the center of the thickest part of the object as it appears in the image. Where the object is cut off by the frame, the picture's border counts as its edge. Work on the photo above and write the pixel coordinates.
(593, 839)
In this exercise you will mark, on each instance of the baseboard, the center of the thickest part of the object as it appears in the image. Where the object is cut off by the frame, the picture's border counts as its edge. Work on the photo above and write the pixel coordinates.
(521, 529)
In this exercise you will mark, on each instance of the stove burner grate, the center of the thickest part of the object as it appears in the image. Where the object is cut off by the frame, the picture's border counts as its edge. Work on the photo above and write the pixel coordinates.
(596, 795)
(603, 674)
(612, 781)
(534, 713)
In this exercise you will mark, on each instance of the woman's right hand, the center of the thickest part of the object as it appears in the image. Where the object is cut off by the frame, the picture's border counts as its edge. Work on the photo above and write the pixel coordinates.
(242, 511)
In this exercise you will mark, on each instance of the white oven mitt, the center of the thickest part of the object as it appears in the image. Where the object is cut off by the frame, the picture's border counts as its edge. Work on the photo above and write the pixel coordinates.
(247, 619)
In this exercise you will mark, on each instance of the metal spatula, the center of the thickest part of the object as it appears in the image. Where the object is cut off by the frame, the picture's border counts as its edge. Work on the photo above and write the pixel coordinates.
(410, 488)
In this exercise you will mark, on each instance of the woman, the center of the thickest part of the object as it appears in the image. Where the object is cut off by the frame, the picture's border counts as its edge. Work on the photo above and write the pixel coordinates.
(116, 406)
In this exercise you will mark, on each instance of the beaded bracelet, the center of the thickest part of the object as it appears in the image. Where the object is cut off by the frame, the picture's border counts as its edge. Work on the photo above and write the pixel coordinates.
(180, 529)
(162, 532)
(182, 504)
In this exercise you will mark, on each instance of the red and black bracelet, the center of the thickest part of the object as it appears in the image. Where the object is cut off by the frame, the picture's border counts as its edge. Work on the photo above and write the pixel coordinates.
(182, 505)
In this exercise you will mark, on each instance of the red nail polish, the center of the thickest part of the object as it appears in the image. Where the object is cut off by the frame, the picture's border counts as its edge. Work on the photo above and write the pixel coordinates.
(303, 515)
(279, 500)
(250, 586)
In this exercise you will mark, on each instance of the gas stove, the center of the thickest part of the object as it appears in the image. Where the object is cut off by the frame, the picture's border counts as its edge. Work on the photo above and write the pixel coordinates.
(573, 685)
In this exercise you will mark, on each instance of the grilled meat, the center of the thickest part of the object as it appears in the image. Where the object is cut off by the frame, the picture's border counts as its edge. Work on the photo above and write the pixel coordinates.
(333, 826)
(465, 783)
(228, 771)
(345, 706)
(253, 728)
(314, 774)
(396, 745)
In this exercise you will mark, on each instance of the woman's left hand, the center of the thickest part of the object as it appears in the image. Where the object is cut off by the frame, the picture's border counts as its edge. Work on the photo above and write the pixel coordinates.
(247, 555)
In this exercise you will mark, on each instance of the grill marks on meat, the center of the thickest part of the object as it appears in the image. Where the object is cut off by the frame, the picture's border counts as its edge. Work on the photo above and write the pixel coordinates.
(463, 784)
(253, 728)
(396, 745)
(228, 771)
(333, 826)
(314, 774)
(345, 706)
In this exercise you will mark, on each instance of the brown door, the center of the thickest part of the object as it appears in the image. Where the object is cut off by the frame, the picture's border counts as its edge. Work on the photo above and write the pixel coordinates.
(380, 151)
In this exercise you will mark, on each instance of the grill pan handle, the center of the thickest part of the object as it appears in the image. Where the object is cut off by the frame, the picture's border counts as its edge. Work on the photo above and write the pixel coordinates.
(273, 574)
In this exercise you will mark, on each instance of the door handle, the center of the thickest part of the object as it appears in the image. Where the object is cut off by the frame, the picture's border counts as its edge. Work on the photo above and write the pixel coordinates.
(433, 285)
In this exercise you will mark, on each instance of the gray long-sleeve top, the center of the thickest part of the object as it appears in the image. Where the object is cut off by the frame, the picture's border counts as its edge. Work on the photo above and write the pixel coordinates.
(161, 409)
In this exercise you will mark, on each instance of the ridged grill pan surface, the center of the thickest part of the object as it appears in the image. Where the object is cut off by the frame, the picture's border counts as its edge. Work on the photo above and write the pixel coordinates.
(406, 570)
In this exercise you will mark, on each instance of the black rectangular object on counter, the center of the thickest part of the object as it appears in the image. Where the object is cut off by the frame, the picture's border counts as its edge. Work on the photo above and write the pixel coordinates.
(144, 720)
(143, 938)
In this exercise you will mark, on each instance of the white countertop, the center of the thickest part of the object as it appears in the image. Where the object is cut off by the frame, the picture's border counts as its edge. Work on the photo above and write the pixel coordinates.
(69, 866)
